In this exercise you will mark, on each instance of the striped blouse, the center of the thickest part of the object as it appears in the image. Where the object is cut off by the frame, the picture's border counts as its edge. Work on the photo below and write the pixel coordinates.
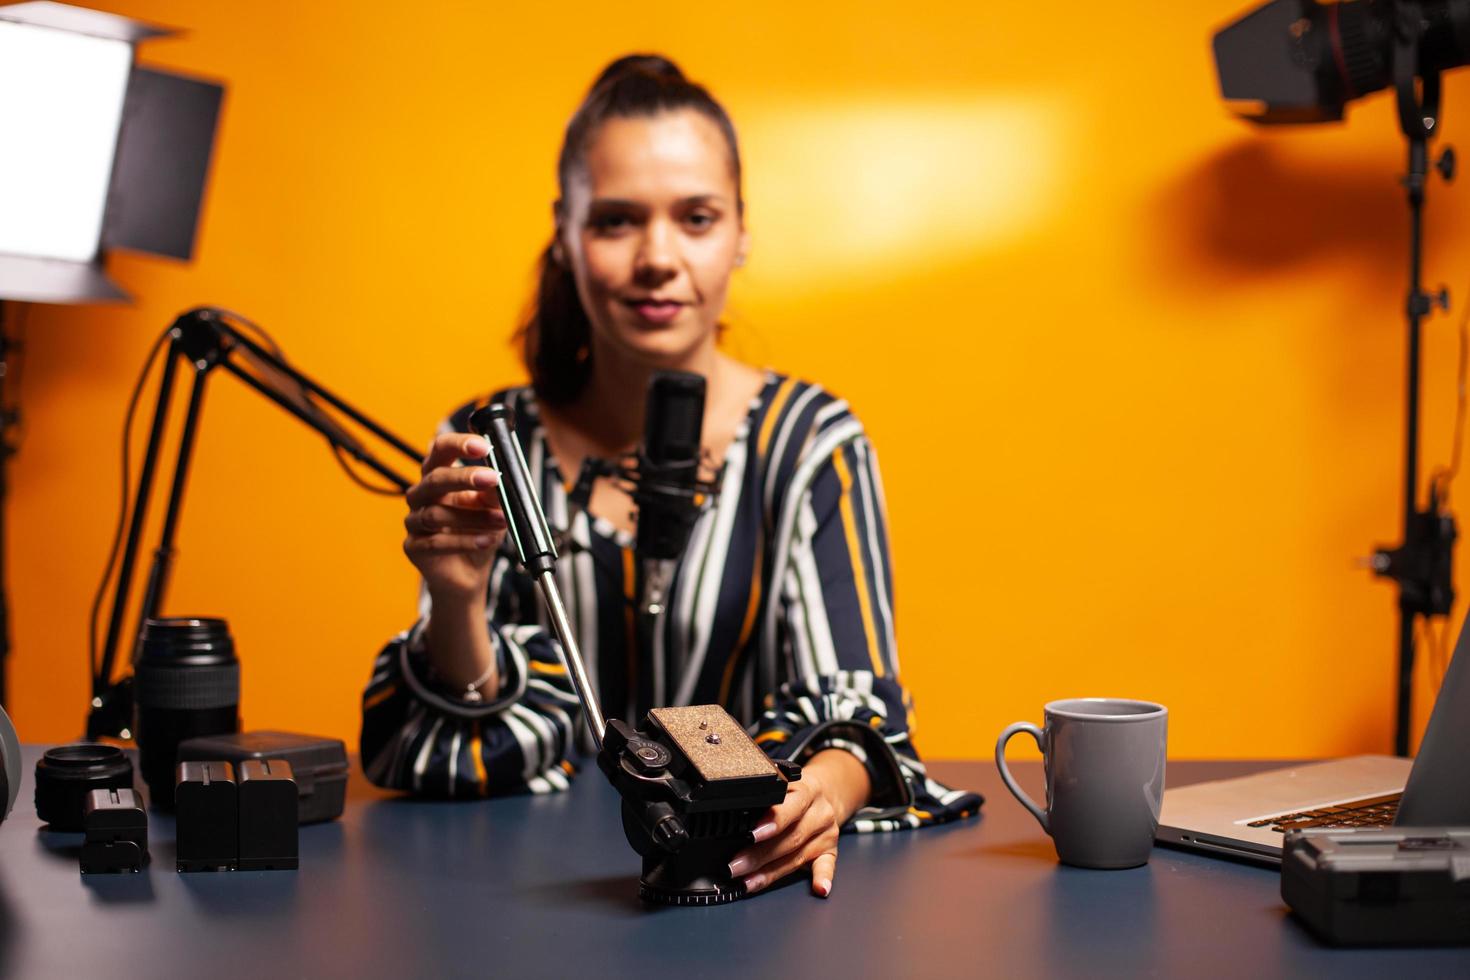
(780, 610)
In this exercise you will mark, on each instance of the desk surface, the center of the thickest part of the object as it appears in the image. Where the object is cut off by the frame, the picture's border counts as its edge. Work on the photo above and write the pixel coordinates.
(546, 886)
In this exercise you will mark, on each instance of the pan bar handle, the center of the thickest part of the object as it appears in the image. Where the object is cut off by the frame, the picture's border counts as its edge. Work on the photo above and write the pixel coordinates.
(572, 656)
(532, 538)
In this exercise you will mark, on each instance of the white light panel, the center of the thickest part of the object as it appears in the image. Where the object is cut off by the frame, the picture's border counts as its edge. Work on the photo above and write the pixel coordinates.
(61, 100)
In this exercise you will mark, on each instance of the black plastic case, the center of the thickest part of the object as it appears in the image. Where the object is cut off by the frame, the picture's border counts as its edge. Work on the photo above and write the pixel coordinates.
(318, 764)
(1392, 886)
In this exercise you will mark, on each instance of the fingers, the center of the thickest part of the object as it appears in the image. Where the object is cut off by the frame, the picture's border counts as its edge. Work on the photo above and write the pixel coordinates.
(471, 499)
(788, 841)
(823, 870)
(461, 480)
(436, 518)
(447, 542)
(450, 446)
(454, 509)
(769, 834)
(819, 850)
(800, 830)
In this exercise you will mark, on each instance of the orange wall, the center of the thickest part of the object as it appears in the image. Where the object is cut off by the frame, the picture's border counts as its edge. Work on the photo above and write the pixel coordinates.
(1134, 370)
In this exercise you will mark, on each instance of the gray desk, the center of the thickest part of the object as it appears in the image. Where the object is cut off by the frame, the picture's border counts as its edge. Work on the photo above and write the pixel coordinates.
(546, 886)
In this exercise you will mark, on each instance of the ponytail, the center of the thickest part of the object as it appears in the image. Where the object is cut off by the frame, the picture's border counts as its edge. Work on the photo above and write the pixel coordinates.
(556, 340)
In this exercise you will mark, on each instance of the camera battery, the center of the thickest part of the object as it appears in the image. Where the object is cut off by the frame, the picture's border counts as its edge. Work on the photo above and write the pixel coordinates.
(116, 828)
(1391, 886)
(268, 801)
(207, 815)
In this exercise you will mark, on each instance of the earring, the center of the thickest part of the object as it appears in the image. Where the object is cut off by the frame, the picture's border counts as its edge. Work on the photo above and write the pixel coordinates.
(557, 255)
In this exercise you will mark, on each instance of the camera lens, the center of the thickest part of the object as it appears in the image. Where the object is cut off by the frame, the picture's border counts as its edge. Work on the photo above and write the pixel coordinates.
(9, 765)
(186, 683)
(65, 775)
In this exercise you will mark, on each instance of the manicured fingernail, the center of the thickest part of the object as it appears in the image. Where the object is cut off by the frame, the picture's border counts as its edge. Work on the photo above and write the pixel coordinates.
(763, 831)
(483, 540)
(485, 477)
(476, 447)
(740, 865)
(755, 883)
(822, 886)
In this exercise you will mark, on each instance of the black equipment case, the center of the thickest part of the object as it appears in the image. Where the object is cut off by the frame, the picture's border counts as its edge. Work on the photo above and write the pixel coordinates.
(319, 765)
(1388, 886)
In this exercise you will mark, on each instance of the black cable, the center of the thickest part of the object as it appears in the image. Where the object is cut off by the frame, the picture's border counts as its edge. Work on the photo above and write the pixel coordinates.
(355, 477)
(122, 513)
(306, 396)
(313, 407)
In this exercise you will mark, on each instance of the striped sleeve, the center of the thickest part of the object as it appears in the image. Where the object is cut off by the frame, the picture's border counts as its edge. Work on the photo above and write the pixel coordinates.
(420, 738)
(417, 736)
(832, 626)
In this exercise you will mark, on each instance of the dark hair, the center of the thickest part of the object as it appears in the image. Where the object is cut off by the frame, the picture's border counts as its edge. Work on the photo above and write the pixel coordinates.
(556, 336)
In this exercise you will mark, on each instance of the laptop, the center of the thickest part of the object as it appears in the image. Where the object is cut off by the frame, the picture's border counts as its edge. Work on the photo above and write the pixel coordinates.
(1248, 817)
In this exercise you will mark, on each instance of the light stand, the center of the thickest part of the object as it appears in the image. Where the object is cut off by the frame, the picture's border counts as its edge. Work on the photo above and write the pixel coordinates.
(99, 153)
(203, 339)
(1422, 565)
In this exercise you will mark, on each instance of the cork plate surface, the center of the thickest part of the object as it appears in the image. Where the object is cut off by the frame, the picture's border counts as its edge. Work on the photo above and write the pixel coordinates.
(714, 742)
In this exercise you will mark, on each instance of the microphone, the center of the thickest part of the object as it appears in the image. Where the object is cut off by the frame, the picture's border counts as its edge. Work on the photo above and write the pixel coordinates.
(664, 479)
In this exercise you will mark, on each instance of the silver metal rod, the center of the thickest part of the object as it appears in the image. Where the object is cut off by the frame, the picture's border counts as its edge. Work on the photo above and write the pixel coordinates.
(571, 656)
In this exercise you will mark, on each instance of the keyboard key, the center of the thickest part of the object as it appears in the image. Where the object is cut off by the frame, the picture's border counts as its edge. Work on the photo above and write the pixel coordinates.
(1373, 811)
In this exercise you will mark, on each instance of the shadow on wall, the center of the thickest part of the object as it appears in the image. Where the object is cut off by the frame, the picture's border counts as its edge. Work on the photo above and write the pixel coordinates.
(1265, 208)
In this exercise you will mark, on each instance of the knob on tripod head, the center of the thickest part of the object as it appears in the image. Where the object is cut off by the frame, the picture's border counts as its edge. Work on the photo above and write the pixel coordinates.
(692, 782)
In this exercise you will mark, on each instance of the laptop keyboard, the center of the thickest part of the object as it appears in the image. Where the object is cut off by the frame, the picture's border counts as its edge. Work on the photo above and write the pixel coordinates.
(1376, 811)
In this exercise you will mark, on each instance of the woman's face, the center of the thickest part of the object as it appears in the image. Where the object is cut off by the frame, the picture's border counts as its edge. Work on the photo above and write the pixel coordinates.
(651, 232)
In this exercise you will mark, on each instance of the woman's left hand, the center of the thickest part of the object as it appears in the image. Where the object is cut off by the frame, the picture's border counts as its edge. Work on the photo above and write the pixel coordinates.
(803, 828)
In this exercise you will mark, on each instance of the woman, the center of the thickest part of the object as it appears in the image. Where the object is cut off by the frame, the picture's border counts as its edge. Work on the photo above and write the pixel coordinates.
(780, 608)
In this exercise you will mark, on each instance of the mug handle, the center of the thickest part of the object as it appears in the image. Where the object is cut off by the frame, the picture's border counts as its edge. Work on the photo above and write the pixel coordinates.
(1005, 774)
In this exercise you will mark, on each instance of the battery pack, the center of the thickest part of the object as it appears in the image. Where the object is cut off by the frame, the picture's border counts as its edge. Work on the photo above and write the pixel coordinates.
(116, 828)
(1388, 886)
(267, 816)
(207, 816)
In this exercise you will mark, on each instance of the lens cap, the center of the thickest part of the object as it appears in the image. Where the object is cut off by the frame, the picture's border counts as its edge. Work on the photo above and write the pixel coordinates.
(66, 774)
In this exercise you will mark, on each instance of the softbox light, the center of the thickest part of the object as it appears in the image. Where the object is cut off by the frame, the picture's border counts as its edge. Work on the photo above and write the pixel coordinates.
(99, 153)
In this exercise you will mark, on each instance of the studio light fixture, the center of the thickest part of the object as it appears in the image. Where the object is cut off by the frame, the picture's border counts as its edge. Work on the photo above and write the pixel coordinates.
(100, 153)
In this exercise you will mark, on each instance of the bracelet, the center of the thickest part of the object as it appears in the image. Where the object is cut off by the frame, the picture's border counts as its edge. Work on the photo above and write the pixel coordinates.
(472, 689)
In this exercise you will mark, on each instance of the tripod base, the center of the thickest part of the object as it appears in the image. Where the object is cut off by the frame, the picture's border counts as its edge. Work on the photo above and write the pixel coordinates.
(699, 874)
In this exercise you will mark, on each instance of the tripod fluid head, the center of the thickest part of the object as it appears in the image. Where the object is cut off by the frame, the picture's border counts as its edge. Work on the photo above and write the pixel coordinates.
(692, 782)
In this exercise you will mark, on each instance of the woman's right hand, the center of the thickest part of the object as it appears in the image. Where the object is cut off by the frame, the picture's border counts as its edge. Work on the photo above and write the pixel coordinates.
(454, 520)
